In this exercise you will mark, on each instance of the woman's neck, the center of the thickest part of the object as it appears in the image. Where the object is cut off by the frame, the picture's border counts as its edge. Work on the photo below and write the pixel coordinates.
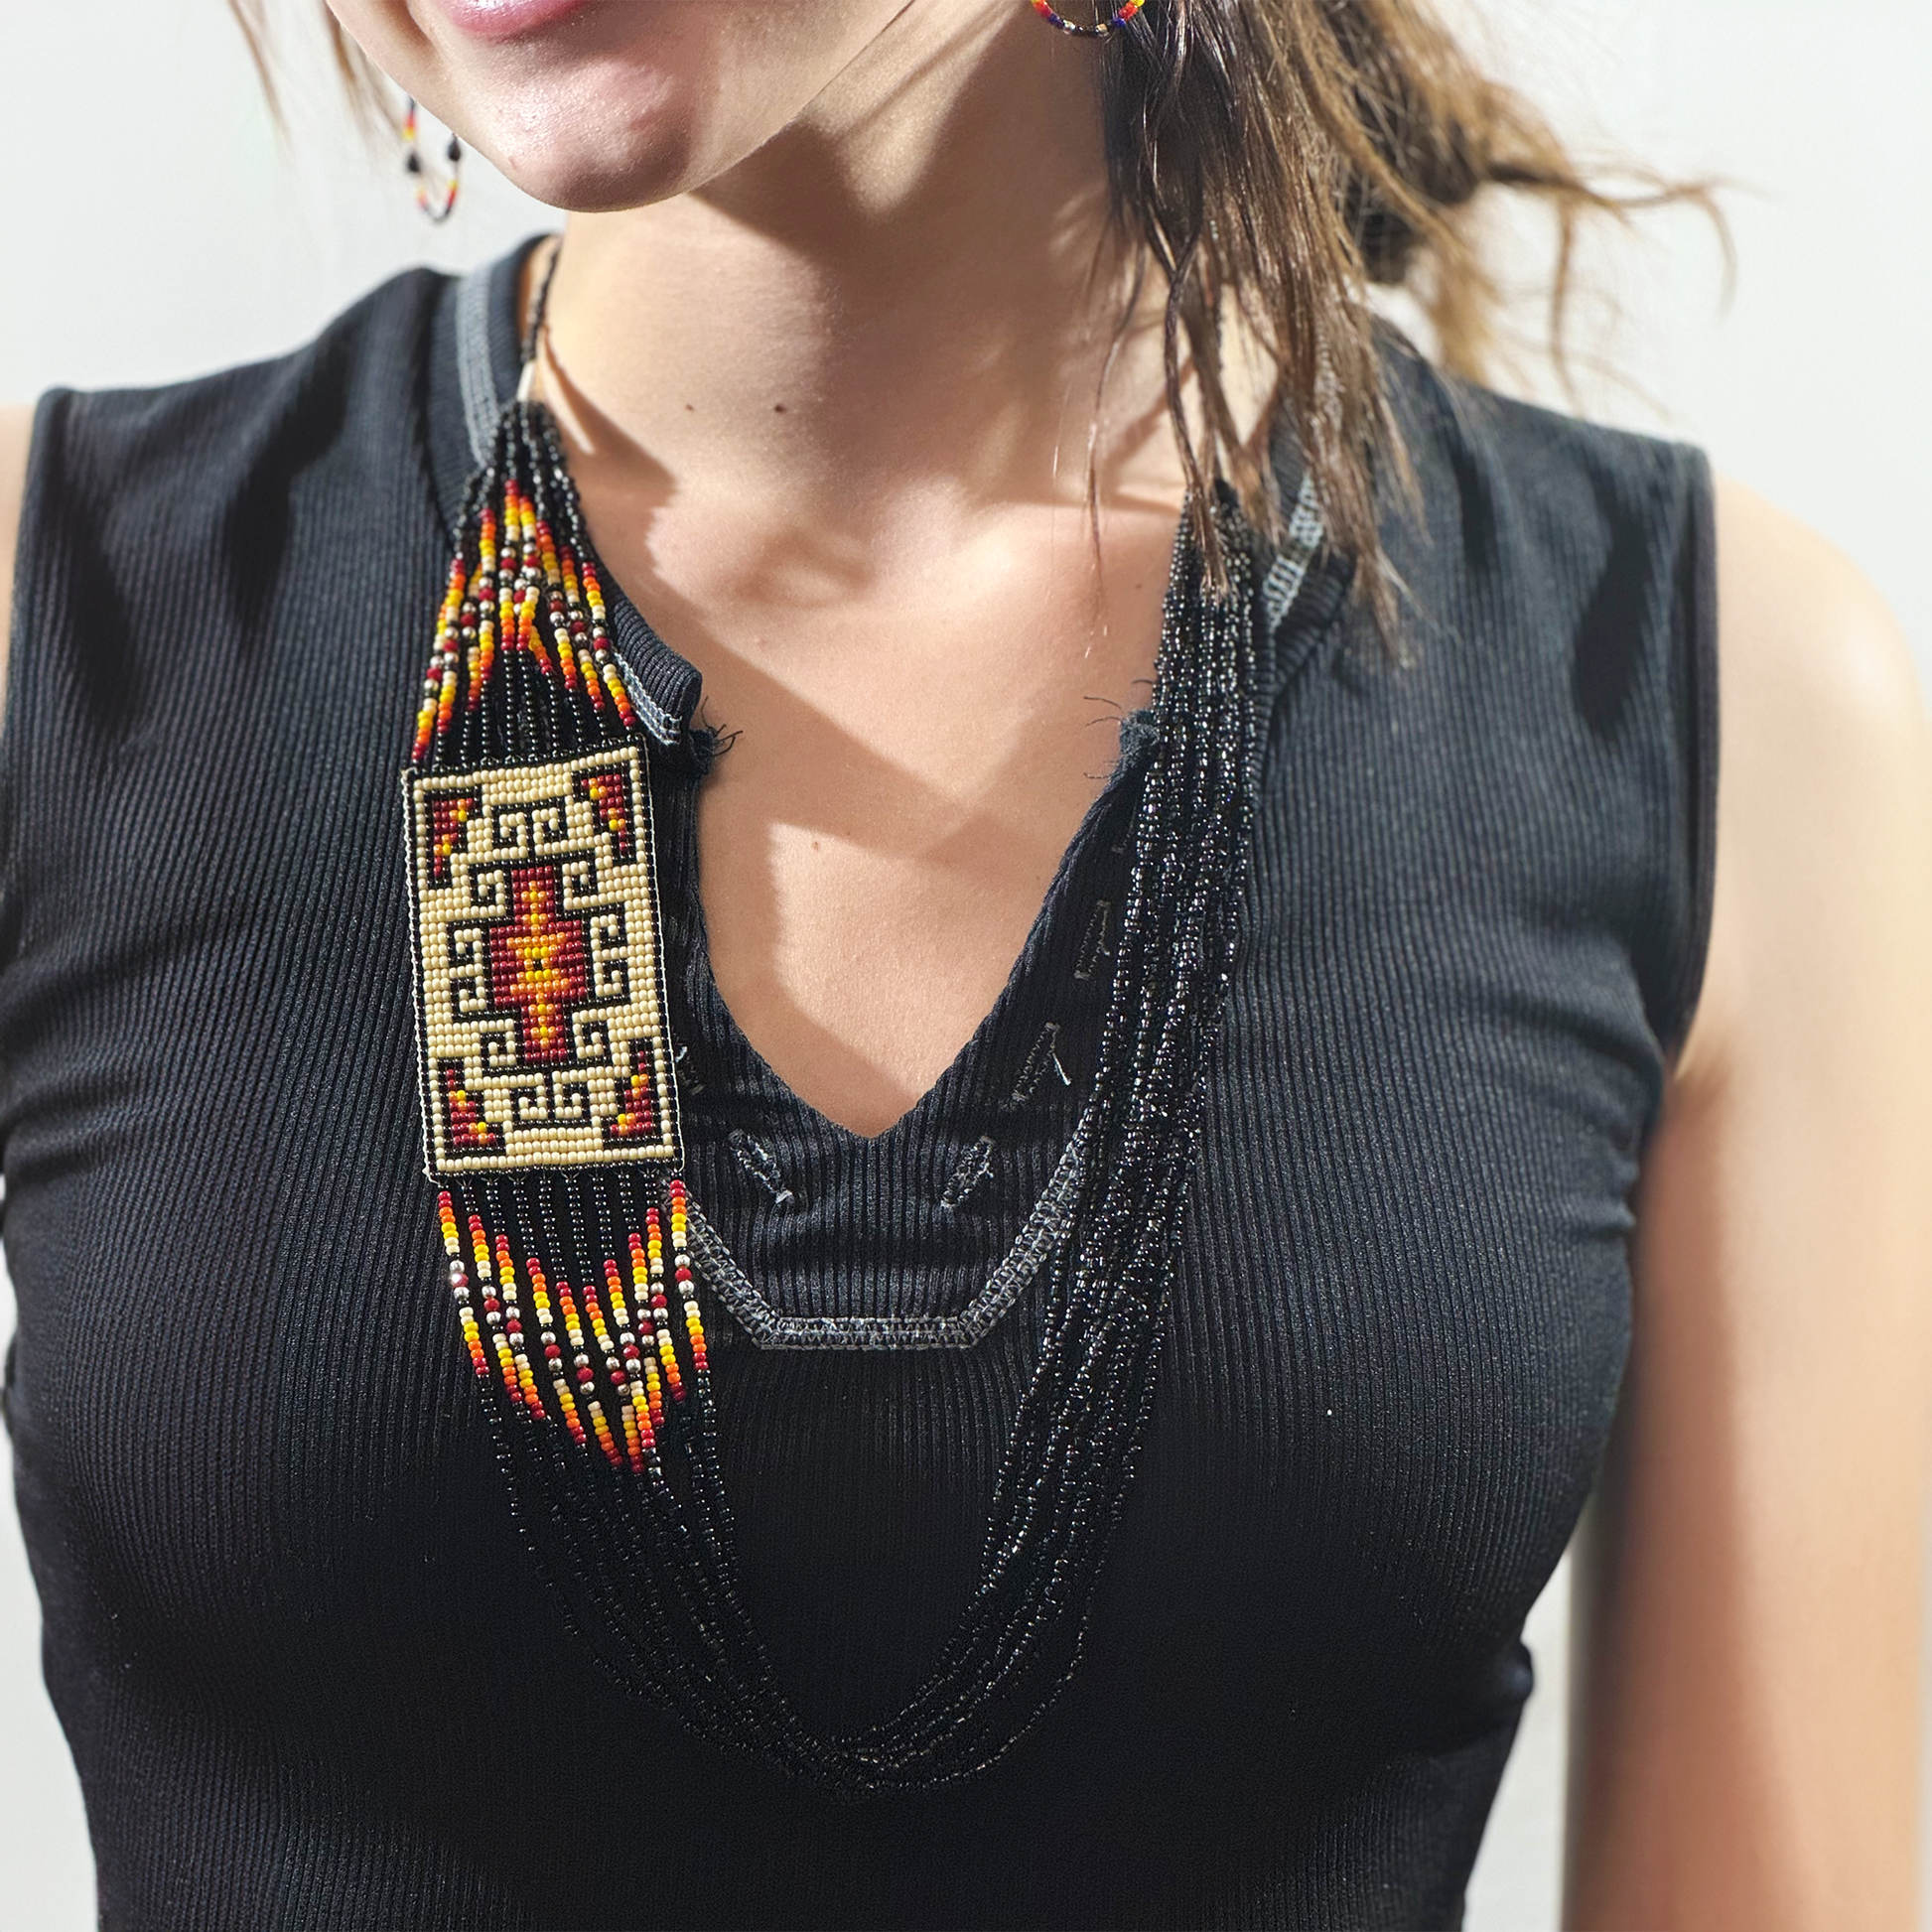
(909, 294)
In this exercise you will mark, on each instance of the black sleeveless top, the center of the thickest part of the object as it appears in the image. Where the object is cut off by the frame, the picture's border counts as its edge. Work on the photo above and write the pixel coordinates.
(309, 1674)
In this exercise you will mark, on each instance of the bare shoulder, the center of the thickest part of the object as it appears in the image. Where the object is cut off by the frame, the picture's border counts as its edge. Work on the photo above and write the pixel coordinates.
(1825, 768)
(16, 431)
(1799, 607)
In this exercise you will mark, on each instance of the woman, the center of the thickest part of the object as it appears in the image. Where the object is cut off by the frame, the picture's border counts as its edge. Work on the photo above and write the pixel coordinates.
(1414, 1054)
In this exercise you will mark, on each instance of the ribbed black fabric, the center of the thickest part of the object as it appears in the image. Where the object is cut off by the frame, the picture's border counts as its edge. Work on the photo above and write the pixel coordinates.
(308, 1673)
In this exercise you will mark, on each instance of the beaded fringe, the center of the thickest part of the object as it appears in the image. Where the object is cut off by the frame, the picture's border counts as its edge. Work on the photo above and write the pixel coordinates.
(573, 1287)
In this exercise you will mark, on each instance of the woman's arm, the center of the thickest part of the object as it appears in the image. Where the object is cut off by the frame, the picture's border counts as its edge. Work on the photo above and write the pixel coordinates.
(1744, 1752)
(16, 430)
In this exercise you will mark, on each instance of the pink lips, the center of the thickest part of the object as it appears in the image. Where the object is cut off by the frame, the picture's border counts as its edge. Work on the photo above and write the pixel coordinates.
(505, 20)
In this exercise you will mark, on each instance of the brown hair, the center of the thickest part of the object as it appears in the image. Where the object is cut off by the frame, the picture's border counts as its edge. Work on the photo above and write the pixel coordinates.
(1284, 157)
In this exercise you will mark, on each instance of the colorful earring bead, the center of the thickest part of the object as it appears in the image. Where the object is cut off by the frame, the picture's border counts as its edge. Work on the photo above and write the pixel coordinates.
(1097, 30)
(437, 200)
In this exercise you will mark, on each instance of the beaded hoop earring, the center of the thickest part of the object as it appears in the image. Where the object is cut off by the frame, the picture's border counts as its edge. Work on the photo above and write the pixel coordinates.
(436, 199)
(1099, 30)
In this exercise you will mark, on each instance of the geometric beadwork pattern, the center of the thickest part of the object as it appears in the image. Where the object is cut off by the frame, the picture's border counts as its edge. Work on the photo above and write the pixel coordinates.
(539, 970)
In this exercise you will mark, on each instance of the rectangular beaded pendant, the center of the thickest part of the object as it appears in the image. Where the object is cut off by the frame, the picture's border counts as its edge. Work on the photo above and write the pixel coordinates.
(541, 1018)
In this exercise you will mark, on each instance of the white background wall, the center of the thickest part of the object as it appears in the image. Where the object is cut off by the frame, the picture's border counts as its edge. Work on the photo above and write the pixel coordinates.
(157, 229)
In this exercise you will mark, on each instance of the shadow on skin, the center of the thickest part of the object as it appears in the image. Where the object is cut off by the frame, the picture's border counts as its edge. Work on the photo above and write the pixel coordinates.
(841, 785)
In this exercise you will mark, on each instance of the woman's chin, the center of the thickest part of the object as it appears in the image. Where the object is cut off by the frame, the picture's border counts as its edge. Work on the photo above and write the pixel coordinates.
(574, 158)
(596, 182)
(595, 105)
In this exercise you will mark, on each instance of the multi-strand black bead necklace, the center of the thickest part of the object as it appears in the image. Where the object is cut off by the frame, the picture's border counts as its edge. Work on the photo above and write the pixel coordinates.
(550, 1127)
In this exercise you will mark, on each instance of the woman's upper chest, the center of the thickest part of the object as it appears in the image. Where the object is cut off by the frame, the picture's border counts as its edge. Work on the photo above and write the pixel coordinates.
(915, 726)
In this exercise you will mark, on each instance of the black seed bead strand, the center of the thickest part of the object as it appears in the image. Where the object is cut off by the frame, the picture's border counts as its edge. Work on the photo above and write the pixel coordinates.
(1074, 1444)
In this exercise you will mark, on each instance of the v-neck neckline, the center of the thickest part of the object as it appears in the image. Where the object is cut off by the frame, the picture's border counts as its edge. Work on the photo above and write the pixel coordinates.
(963, 1073)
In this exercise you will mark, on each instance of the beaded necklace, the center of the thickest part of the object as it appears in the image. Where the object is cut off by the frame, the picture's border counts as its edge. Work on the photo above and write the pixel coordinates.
(551, 1134)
